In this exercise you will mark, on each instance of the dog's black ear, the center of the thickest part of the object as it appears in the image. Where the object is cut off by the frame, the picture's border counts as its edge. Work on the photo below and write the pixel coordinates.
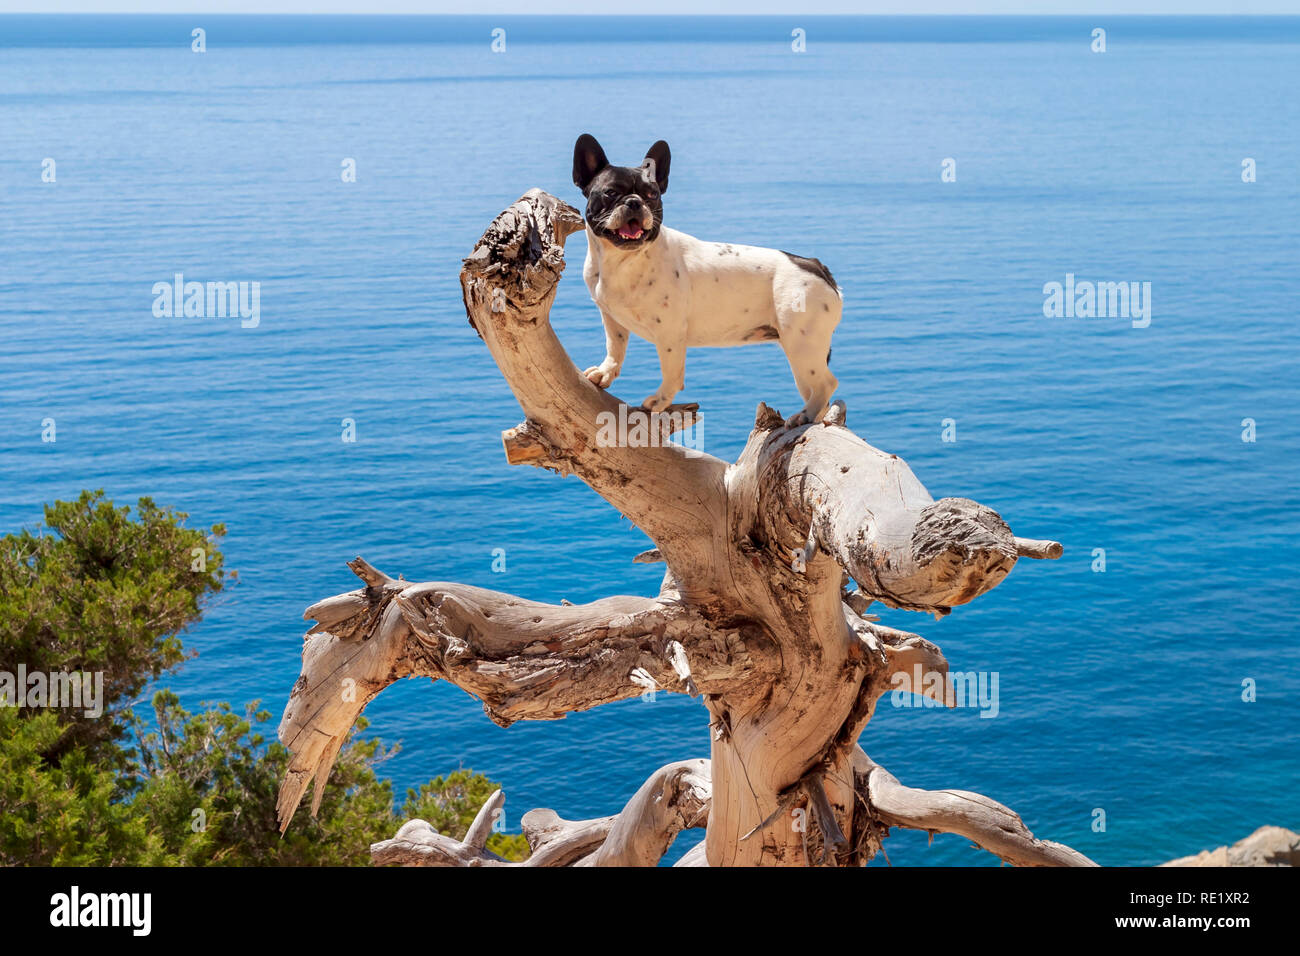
(588, 160)
(657, 159)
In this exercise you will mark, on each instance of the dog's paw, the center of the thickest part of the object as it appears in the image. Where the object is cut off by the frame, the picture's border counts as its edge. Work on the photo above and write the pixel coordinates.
(602, 376)
(656, 403)
(807, 416)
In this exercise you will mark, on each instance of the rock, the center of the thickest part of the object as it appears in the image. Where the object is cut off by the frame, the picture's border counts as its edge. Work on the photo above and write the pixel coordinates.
(1267, 846)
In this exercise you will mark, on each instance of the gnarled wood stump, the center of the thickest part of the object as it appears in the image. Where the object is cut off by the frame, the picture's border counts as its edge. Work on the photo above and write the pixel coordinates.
(753, 616)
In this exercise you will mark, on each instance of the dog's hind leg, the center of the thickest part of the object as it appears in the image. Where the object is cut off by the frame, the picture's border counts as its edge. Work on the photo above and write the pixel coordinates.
(807, 346)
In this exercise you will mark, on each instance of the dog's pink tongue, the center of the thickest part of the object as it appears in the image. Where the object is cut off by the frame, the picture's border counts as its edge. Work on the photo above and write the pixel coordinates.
(630, 231)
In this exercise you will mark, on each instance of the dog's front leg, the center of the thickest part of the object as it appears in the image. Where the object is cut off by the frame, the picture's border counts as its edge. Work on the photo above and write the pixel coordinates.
(672, 365)
(603, 375)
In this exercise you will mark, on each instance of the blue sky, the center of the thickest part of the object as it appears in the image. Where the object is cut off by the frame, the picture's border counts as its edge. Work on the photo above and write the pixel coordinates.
(794, 7)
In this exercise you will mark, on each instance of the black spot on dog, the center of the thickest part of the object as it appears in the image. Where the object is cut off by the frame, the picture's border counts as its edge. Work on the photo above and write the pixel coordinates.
(813, 266)
(764, 333)
(828, 356)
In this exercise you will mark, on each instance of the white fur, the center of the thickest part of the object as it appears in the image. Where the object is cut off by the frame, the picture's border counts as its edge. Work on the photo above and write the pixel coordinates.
(680, 292)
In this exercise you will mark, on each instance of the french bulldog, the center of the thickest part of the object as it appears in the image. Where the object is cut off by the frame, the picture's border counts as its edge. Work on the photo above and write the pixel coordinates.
(678, 291)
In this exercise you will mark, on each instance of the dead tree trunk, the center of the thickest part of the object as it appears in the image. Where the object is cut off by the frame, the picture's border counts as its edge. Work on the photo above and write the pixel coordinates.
(753, 616)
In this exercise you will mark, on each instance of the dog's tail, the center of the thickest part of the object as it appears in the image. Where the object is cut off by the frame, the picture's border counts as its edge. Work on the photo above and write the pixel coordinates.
(815, 267)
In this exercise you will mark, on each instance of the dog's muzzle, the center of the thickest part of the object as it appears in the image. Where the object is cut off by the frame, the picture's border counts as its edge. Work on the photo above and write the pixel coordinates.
(631, 220)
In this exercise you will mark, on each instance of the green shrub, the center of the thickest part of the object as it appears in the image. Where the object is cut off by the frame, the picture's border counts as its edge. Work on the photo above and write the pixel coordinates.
(96, 589)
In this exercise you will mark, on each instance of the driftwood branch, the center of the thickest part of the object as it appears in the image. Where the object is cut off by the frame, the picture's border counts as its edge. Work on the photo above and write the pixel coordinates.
(753, 616)
(525, 660)
(509, 284)
(674, 798)
(986, 823)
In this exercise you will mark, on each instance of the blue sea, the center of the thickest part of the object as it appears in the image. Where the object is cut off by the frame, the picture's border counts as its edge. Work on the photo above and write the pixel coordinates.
(1121, 690)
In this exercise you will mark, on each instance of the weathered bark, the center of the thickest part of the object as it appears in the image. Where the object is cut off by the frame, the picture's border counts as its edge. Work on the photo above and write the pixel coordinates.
(753, 614)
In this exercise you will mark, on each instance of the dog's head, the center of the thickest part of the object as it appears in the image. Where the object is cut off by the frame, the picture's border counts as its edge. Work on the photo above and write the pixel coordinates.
(623, 202)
